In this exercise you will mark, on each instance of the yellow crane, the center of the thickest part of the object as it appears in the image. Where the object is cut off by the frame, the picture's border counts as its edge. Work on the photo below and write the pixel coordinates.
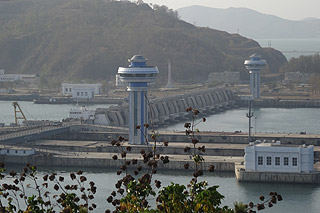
(17, 110)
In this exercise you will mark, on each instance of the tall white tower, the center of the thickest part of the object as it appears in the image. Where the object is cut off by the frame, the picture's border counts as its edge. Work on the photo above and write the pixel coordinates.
(138, 75)
(254, 66)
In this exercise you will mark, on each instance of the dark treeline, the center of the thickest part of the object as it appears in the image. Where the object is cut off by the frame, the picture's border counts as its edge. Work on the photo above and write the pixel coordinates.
(304, 64)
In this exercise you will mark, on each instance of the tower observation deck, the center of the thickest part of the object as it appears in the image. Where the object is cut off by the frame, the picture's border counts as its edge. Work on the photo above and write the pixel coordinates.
(254, 66)
(138, 75)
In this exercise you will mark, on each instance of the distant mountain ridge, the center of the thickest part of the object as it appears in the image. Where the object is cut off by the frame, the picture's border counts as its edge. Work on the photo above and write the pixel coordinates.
(87, 40)
(250, 23)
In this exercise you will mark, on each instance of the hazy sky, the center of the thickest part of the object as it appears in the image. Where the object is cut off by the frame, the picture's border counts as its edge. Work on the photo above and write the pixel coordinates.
(288, 9)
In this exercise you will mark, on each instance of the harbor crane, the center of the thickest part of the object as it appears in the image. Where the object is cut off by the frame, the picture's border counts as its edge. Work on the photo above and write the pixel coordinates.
(18, 114)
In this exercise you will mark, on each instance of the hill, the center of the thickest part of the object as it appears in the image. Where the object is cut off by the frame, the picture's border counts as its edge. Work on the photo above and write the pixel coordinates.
(88, 40)
(250, 23)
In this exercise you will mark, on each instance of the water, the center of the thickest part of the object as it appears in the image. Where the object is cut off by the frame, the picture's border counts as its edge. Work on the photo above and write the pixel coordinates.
(293, 47)
(296, 197)
(276, 120)
(39, 111)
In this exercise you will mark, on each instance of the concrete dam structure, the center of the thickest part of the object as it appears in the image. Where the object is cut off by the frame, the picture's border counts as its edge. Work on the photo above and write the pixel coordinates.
(169, 110)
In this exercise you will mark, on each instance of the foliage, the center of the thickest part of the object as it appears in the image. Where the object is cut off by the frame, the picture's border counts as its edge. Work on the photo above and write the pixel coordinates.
(304, 64)
(29, 193)
(315, 83)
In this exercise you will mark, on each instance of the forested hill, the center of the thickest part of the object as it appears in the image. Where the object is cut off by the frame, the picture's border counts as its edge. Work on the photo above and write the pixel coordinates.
(89, 39)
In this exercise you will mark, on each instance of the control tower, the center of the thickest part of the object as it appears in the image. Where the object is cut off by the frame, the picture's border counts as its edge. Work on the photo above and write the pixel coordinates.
(138, 75)
(254, 65)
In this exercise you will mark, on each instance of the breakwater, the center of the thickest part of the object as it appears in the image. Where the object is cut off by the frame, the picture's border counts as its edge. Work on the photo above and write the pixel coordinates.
(169, 110)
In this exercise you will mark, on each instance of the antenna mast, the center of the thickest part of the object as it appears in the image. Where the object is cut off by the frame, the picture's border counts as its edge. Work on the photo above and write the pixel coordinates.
(250, 115)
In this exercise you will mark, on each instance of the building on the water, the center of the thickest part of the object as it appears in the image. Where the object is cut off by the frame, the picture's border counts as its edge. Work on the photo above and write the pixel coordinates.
(274, 157)
(275, 162)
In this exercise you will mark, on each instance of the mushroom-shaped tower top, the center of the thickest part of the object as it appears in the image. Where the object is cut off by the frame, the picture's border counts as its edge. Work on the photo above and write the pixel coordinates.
(137, 61)
(138, 71)
(255, 63)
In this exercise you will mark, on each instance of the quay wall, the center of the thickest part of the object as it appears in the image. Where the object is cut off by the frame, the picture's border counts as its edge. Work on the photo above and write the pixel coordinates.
(278, 177)
(51, 160)
(171, 150)
(204, 137)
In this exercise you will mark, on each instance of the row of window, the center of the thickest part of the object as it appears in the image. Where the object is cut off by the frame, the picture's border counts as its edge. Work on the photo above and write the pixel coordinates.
(68, 89)
(85, 93)
(16, 151)
(277, 161)
(75, 113)
(125, 75)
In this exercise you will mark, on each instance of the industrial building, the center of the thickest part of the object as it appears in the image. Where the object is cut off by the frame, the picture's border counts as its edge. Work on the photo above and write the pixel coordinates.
(81, 91)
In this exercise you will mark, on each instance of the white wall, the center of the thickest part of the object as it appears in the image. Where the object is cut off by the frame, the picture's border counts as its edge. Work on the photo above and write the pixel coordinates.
(83, 93)
(304, 156)
(68, 89)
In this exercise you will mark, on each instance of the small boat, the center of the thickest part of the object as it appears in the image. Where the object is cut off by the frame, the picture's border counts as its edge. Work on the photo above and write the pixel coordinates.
(81, 113)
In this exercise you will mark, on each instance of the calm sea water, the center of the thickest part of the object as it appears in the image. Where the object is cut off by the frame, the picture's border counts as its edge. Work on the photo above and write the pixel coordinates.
(283, 120)
(297, 198)
(293, 47)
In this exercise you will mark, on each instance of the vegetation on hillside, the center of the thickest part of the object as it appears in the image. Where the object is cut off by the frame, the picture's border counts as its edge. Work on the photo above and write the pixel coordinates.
(78, 40)
(304, 64)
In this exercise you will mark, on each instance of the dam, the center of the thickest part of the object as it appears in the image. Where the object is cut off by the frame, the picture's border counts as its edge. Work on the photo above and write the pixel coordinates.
(169, 110)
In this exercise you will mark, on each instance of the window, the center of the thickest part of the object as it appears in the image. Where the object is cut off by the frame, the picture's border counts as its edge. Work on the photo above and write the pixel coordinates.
(66, 89)
(277, 161)
(268, 160)
(77, 93)
(260, 160)
(81, 93)
(294, 161)
(70, 89)
(86, 93)
(286, 161)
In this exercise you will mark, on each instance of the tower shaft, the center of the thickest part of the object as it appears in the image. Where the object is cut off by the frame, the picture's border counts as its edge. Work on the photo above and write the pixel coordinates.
(138, 111)
(138, 75)
(254, 66)
(255, 84)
